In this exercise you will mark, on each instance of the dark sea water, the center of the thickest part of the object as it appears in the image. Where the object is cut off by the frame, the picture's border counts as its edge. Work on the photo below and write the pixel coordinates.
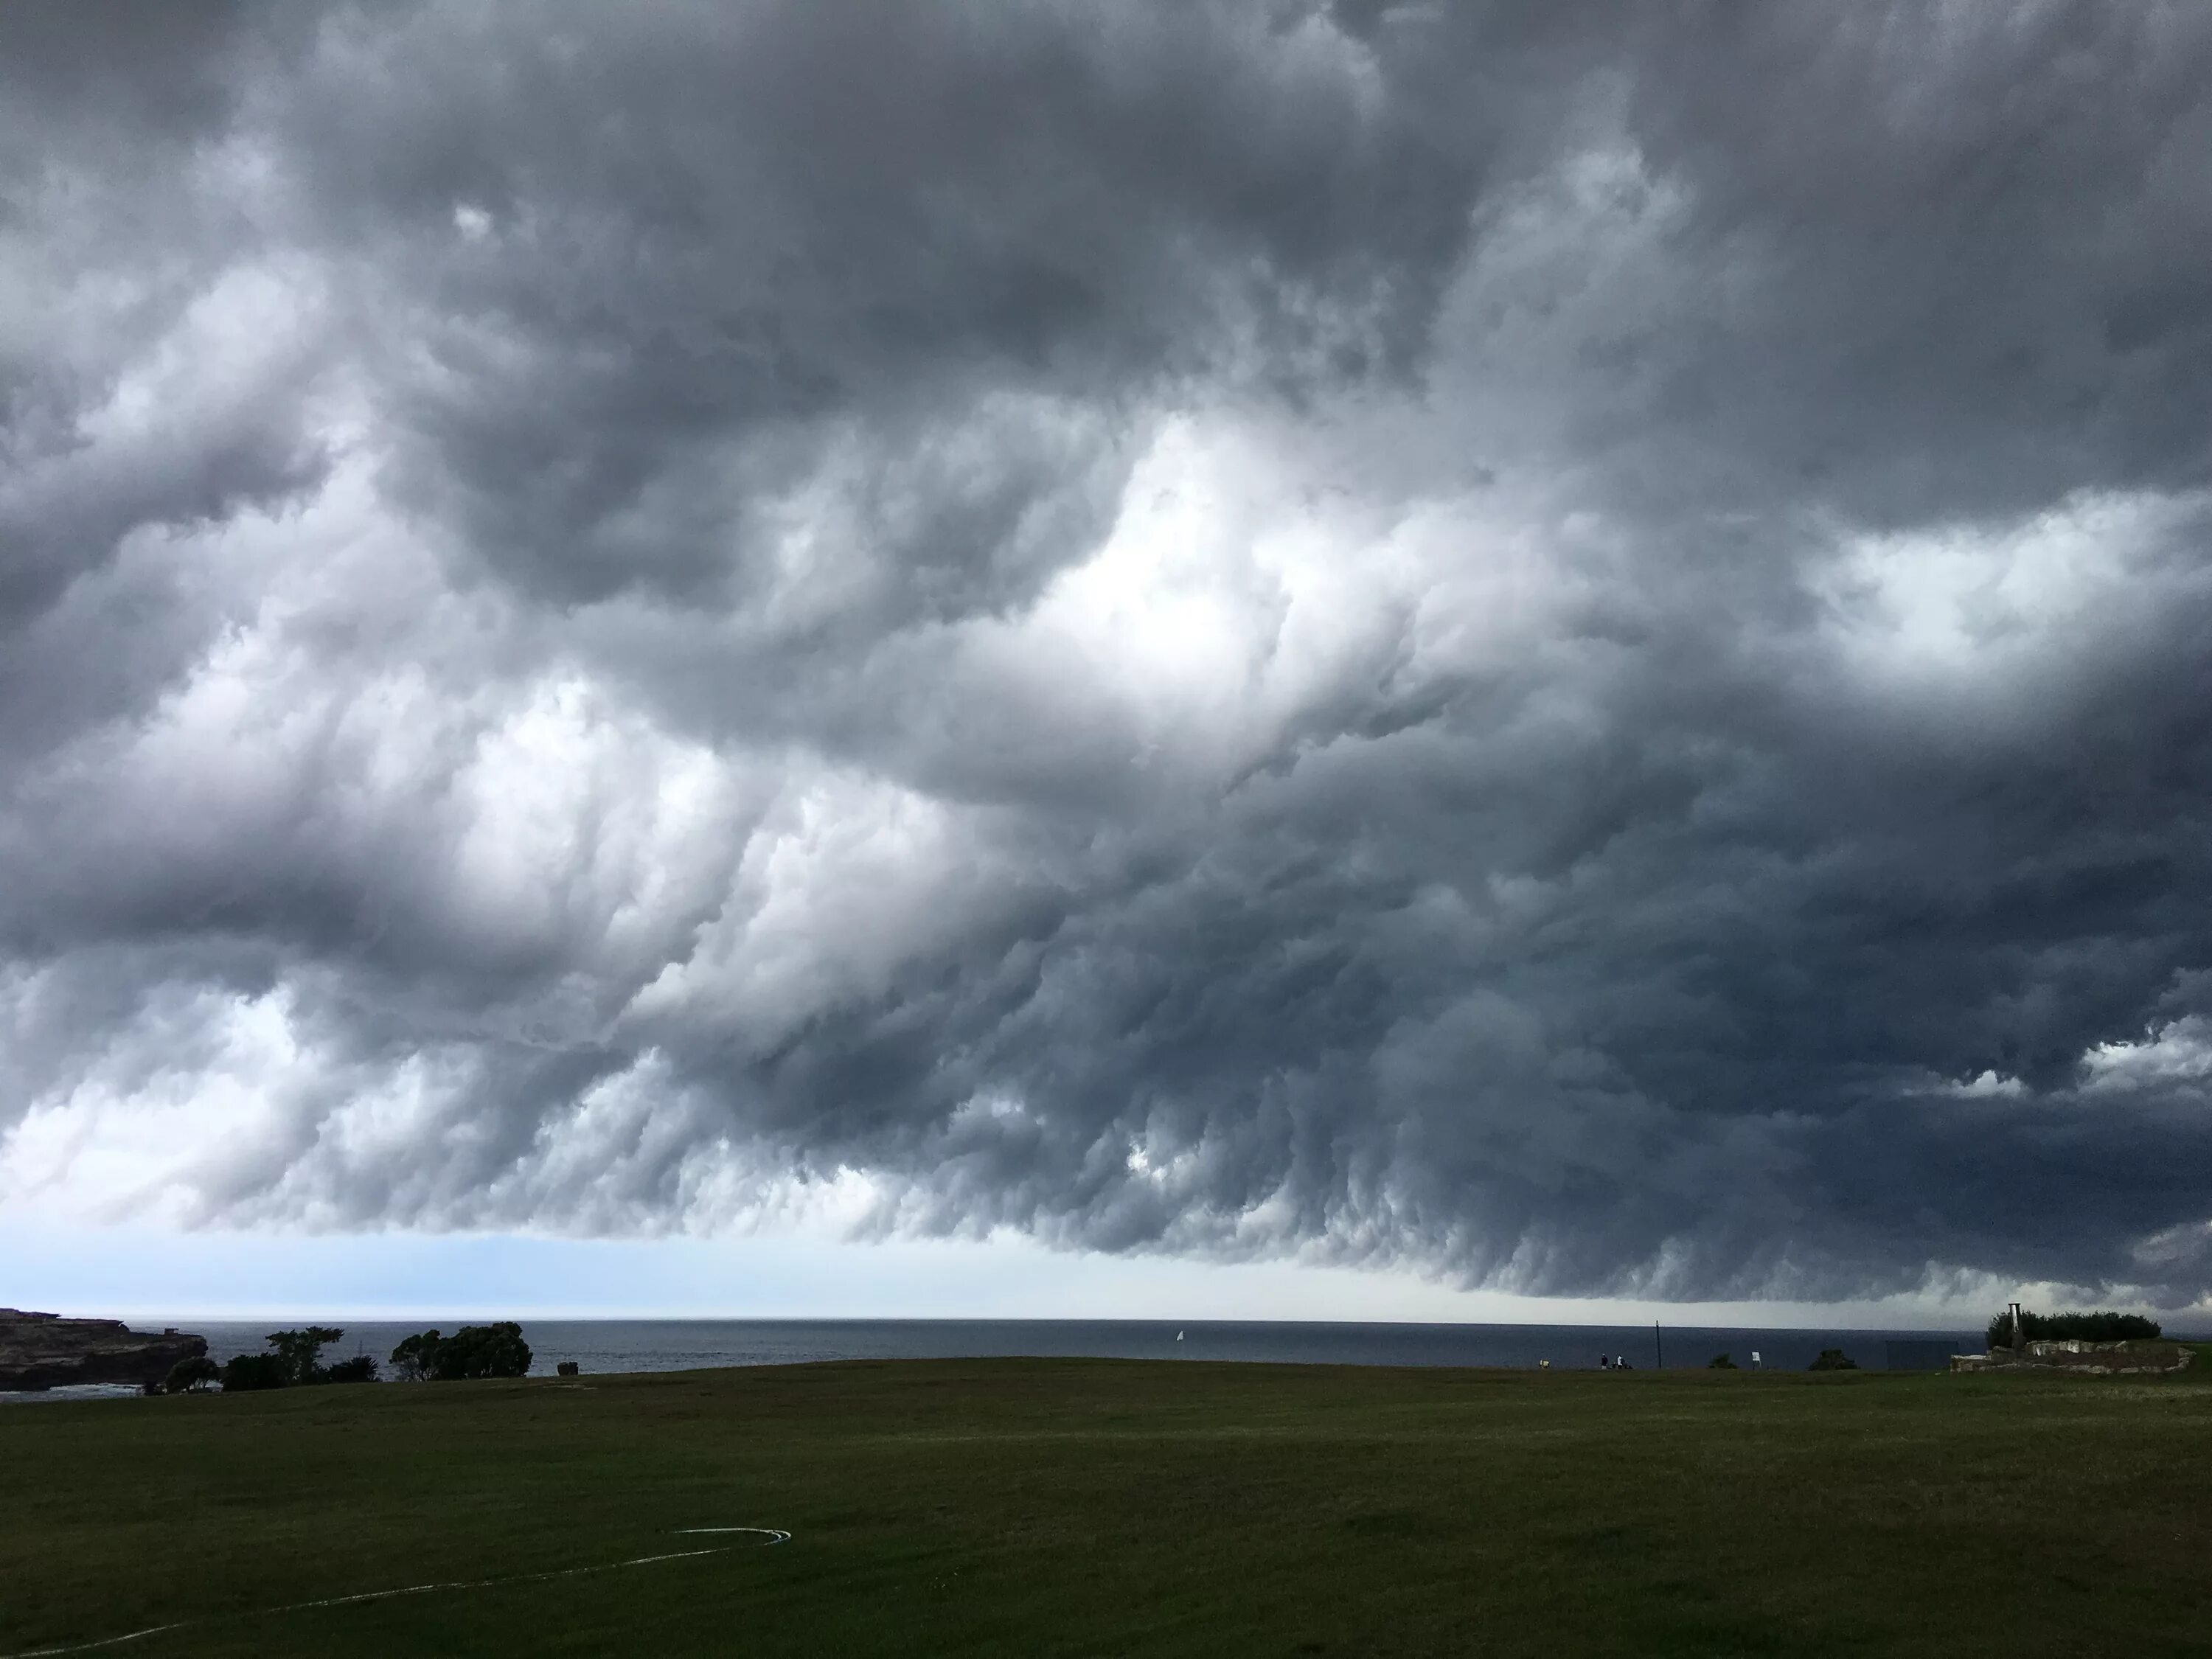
(600, 1346)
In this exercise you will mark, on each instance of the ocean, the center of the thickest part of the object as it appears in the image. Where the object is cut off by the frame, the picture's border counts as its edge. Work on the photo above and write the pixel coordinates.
(606, 1346)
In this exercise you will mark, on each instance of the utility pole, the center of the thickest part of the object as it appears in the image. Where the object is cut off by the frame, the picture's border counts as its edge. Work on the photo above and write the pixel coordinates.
(1658, 1347)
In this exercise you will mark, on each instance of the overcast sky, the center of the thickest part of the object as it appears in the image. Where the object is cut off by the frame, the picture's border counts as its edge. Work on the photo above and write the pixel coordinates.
(1537, 649)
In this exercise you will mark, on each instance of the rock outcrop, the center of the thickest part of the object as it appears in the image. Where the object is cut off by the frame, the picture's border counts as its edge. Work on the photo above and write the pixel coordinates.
(40, 1351)
(2077, 1359)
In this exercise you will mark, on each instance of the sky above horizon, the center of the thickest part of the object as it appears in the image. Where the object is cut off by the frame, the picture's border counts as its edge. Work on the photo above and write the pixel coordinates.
(1466, 659)
(154, 1277)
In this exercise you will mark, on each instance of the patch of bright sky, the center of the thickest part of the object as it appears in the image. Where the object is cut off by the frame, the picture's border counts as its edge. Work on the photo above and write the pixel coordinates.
(2179, 1051)
(1933, 602)
(145, 1273)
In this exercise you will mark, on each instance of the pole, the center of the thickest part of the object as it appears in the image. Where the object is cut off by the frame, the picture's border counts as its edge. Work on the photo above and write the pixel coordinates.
(1658, 1347)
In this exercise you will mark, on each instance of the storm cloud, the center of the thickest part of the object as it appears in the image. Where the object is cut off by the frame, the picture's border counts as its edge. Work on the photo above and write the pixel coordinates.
(1567, 645)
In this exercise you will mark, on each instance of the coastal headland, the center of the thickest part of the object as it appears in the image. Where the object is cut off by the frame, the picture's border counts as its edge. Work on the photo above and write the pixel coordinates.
(40, 1351)
(1095, 1507)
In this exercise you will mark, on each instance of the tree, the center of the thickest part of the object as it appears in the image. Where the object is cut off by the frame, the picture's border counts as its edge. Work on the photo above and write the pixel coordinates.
(1721, 1362)
(416, 1358)
(191, 1375)
(478, 1351)
(361, 1368)
(300, 1353)
(473, 1351)
(2064, 1327)
(250, 1372)
(1833, 1360)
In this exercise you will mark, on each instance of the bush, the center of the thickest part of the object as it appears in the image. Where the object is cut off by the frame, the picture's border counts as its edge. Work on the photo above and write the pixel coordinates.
(473, 1351)
(248, 1373)
(362, 1368)
(1833, 1360)
(191, 1375)
(1721, 1362)
(2072, 1328)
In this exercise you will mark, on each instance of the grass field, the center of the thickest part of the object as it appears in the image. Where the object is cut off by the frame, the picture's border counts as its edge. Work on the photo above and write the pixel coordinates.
(1096, 1508)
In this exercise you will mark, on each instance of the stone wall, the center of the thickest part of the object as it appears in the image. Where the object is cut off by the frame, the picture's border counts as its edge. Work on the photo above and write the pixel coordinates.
(2076, 1357)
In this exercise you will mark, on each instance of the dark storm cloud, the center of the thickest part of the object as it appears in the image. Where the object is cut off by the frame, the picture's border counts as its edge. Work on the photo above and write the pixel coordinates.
(1567, 644)
(861, 224)
(1975, 220)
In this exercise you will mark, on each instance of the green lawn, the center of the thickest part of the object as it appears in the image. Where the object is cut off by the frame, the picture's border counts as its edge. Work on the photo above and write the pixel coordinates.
(1097, 1507)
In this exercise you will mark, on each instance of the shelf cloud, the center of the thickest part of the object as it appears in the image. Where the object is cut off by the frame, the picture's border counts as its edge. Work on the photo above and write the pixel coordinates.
(1569, 646)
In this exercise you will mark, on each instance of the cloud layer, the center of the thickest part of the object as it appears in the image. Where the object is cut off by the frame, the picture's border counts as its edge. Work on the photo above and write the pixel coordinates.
(1568, 645)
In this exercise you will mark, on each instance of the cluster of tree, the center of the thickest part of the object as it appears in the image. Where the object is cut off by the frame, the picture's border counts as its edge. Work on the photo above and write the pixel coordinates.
(294, 1359)
(472, 1351)
(2071, 1327)
(1830, 1359)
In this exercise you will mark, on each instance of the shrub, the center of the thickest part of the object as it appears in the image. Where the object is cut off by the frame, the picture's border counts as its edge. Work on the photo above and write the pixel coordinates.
(1721, 1362)
(249, 1373)
(191, 1375)
(362, 1368)
(2072, 1328)
(1833, 1360)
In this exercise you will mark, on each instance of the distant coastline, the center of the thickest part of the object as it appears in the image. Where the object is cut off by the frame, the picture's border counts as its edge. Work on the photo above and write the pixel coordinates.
(604, 1346)
(614, 1346)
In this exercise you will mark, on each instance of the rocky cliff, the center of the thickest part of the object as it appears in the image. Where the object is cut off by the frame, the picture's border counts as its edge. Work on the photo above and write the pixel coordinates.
(45, 1350)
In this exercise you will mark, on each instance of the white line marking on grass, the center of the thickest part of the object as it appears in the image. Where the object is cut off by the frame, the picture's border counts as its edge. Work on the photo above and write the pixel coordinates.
(772, 1535)
(104, 1642)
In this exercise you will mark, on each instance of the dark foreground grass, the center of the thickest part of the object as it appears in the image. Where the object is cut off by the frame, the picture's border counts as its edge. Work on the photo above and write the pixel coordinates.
(1096, 1508)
